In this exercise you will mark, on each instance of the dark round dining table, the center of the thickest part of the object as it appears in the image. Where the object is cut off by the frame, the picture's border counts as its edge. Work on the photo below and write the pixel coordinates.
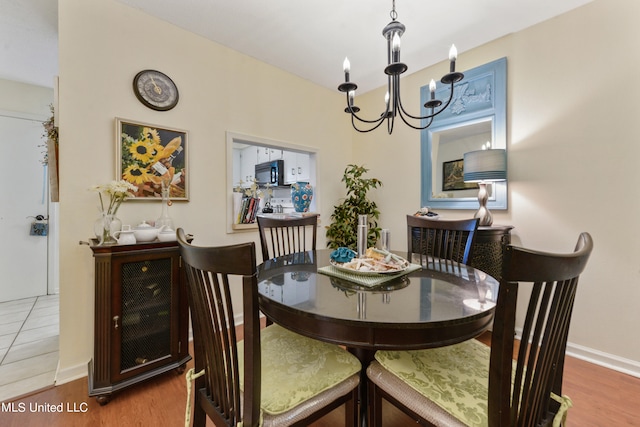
(442, 303)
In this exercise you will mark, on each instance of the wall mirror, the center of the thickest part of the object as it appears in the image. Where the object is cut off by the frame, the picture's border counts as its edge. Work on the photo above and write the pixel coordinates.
(476, 117)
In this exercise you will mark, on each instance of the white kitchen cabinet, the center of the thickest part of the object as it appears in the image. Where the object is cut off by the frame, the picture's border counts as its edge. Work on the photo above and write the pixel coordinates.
(267, 154)
(289, 167)
(296, 166)
(302, 161)
(262, 154)
(236, 173)
(275, 154)
(248, 161)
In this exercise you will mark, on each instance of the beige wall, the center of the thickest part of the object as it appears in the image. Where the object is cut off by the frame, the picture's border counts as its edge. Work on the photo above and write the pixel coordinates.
(572, 116)
(103, 44)
(572, 144)
(24, 98)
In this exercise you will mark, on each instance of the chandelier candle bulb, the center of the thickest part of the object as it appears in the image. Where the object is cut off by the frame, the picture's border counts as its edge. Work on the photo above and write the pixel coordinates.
(396, 48)
(453, 55)
(432, 88)
(346, 66)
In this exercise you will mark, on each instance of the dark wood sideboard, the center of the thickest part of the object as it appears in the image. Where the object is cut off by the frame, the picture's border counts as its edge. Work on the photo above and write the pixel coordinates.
(141, 315)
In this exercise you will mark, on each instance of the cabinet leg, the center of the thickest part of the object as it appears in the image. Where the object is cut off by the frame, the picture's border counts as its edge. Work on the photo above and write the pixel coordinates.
(103, 399)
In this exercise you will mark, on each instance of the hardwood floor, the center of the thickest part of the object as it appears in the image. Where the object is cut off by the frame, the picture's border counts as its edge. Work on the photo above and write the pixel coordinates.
(601, 397)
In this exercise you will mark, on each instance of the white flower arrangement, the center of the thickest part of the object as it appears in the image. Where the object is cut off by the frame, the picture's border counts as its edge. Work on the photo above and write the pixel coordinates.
(117, 191)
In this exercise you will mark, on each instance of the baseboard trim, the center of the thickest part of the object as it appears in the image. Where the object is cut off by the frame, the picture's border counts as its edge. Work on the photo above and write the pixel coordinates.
(600, 358)
(71, 373)
(606, 360)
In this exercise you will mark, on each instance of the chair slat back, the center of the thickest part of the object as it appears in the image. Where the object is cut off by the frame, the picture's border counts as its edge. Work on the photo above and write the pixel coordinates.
(446, 239)
(553, 279)
(208, 270)
(280, 237)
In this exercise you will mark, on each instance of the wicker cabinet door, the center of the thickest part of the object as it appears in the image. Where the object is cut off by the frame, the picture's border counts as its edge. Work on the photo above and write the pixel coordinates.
(488, 249)
(143, 301)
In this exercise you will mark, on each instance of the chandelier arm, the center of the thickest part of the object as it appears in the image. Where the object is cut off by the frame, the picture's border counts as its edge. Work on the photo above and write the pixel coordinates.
(354, 115)
(390, 123)
(402, 112)
(446, 104)
(428, 116)
(353, 123)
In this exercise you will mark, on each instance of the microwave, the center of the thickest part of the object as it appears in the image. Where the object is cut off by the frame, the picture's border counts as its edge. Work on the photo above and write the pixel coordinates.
(270, 173)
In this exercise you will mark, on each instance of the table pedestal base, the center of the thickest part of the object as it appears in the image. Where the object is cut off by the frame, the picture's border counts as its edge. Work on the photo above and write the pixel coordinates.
(365, 356)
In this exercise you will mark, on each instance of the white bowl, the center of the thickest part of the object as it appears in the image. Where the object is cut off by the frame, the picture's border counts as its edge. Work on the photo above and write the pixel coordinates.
(145, 232)
(167, 236)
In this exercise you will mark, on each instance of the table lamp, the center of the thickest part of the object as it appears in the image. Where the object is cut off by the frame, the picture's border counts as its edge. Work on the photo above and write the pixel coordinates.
(483, 167)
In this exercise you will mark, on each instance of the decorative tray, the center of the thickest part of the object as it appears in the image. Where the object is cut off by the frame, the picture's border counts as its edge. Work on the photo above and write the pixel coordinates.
(376, 262)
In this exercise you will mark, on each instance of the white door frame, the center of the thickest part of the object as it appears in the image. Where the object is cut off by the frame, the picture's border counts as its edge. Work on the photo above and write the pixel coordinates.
(53, 252)
(53, 240)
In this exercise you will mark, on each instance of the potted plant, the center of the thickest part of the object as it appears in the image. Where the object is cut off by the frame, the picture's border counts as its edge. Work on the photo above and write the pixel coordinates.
(343, 230)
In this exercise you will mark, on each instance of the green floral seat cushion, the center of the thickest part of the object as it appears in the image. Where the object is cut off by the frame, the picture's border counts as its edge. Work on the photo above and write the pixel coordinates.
(296, 368)
(447, 377)
(456, 378)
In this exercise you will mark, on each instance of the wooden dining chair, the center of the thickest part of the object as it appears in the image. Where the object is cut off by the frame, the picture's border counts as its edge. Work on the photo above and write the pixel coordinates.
(273, 377)
(473, 384)
(282, 236)
(444, 239)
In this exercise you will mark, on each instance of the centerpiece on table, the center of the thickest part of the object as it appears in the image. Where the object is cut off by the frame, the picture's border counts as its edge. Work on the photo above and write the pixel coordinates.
(115, 192)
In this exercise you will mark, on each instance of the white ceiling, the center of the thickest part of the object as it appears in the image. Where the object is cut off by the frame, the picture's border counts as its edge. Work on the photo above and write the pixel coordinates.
(307, 38)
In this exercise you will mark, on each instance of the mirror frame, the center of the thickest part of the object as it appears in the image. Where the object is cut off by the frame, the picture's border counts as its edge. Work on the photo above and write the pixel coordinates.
(467, 108)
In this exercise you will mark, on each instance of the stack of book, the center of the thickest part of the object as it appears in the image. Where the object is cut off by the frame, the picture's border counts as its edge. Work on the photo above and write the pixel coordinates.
(248, 210)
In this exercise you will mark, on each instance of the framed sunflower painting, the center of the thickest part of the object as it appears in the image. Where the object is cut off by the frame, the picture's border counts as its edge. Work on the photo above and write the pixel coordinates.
(152, 157)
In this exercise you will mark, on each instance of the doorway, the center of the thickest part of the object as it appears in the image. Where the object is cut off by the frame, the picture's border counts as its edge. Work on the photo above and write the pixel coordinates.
(29, 304)
(24, 211)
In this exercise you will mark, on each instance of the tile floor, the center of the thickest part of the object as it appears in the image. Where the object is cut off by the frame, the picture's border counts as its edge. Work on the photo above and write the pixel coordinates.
(29, 330)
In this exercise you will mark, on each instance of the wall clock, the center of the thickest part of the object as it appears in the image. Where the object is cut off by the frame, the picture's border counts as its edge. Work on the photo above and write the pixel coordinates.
(155, 90)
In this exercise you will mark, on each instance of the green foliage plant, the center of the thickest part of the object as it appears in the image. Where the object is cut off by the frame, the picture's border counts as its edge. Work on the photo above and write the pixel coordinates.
(343, 230)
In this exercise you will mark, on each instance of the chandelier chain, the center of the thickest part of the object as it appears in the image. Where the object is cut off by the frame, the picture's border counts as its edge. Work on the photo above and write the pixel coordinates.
(393, 13)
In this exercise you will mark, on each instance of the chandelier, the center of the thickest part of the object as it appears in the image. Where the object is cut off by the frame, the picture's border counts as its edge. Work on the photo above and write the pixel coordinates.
(392, 32)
